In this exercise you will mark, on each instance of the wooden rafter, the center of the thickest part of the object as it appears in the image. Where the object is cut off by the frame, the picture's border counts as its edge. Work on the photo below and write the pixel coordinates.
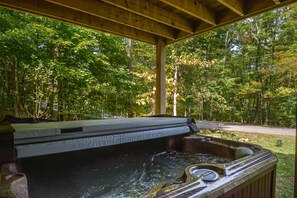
(250, 10)
(194, 9)
(148, 20)
(234, 5)
(152, 11)
(277, 1)
(66, 14)
(262, 6)
(115, 14)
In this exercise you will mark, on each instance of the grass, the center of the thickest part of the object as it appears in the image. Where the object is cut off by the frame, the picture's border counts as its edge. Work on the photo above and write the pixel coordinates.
(285, 154)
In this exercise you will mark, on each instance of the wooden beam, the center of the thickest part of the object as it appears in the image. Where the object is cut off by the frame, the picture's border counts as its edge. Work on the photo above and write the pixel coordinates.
(153, 12)
(117, 15)
(277, 1)
(160, 100)
(47, 9)
(262, 6)
(234, 5)
(251, 10)
(194, 9)
(201, 28)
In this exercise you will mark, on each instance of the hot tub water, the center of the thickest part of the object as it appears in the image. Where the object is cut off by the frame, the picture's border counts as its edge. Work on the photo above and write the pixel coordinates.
(93, 174)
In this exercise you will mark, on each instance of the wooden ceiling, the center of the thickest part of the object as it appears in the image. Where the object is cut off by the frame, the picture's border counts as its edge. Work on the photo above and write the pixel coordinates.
(148, 20)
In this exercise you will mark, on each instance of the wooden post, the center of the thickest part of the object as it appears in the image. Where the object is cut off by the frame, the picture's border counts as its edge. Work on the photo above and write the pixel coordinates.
(160, 100)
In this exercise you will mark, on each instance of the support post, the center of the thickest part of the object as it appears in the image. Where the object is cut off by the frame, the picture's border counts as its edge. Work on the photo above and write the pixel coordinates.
(160, 96)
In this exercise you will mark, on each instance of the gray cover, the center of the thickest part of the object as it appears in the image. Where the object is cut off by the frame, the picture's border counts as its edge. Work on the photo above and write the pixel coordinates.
(56, 137)
(111, 126)
(60, 146)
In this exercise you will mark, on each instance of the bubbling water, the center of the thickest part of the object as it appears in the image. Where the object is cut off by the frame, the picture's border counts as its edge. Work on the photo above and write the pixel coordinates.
(130, 174)
(160, 169)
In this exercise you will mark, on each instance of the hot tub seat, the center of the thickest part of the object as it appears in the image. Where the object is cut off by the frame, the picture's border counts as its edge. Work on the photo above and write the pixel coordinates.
(252, 173)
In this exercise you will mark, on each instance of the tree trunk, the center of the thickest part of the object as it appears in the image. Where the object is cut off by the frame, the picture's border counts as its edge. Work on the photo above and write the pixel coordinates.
(248, 112)
(210, 109)
(15, 87)
(36, 109)
(232, 110)
(130, 59)
(51, 98)
(257, 107)
(153, 107)
(227, 41)
(4, 89)
(202, 108)
(241, 110)
(175, 91)
(266, 110)
(60, 100)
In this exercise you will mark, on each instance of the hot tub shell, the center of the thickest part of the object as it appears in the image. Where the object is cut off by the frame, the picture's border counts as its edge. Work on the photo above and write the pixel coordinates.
(249, 176)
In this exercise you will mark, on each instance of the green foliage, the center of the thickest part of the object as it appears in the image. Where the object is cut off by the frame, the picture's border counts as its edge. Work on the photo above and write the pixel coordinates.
(245, 72)
(59, 71)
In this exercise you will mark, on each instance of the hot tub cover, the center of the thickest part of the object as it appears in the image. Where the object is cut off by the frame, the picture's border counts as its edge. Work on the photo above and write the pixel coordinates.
(56, 137)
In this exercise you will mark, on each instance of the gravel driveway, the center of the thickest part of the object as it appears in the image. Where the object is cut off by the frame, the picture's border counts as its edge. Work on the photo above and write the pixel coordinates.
(246, 128)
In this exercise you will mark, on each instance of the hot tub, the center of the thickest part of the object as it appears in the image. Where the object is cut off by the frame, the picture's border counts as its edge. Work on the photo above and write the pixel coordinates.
(143, 157)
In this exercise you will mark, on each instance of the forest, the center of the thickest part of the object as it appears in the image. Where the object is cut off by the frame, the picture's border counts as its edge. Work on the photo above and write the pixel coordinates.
(245, 72)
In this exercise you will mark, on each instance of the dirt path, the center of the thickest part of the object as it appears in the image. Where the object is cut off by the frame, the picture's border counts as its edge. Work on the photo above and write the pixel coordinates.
(246, 128)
